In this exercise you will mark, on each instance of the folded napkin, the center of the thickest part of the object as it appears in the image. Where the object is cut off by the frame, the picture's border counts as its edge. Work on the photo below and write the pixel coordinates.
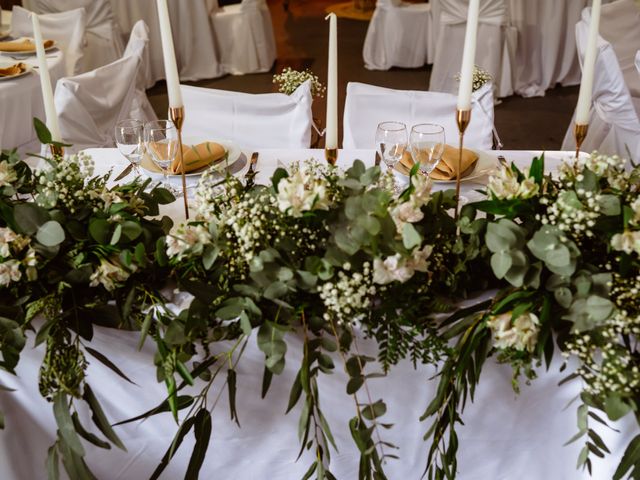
(447, 167)
(199, 156)
(24, 45)
(12, 70)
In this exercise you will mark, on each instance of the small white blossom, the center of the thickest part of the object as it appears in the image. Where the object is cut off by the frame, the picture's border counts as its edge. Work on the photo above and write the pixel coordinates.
(627, 242)
(302, 191)
(7, 174)
(506, 186)
(9, 272)
(520, 334)
(187, 239)
(109, 274)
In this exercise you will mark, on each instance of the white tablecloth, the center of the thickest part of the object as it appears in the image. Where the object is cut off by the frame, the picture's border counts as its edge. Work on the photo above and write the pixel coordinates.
(506, 436)
(192, 35)
(21, 100)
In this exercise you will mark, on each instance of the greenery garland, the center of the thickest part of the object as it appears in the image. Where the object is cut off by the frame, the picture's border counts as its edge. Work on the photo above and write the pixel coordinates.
(323, 253)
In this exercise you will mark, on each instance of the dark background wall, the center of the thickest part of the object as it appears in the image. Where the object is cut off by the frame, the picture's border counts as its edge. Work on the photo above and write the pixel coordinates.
(7, 4)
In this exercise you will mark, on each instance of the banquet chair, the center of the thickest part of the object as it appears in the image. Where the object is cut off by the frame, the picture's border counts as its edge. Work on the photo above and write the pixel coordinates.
(495, 51)
(141, 108)
(614, 127)
(90, 104)
(398, 35)
(366, 106)
(66, 28)
(268, 120)
(103, 39)
(244, 35)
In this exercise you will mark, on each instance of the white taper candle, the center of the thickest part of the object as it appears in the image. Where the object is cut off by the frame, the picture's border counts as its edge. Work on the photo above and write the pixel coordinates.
(468, 56)
(45, 82)
(331, 134)
(169, 55)
(588, 67)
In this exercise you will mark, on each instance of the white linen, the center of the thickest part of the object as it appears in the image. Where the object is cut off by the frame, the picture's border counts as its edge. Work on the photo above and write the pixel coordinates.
(103, 38)
(496, 44)
(195, 45)
(614, 126)
(244, 35)
(21, 101)
(398, 36)
(270, 120)
(504, 437)
(90, 104)
(66, 28)
(141, 108)
(367, 105)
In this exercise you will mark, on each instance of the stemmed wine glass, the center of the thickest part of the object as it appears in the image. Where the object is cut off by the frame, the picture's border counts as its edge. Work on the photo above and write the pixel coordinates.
(391, 140)
(129, 140)
(161, 141)
(427, 143)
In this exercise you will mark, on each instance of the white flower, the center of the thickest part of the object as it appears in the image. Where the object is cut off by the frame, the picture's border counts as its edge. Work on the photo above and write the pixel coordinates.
(7, 236)
(108, 275)
(506, 185)
(627, 242)
(635, 205)
(406, 212)
(7, 174)
(9, 272)
(187, 239)
(302, 192)
(391, 269)
(419, 260)
(520, 334)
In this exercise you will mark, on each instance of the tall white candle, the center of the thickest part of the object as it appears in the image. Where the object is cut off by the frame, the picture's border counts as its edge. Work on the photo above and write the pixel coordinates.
(45, 82)
(331, 133)
(168, 52)
(588, 67)
(468, 56)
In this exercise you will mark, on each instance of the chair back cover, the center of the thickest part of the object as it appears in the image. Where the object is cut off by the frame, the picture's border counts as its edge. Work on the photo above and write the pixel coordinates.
(454, 12)
(104, 40)
(366, 106)
(270, 120)
(638, 61)
(614, 126)
(90, 104)
(138, 46)
(66, 28)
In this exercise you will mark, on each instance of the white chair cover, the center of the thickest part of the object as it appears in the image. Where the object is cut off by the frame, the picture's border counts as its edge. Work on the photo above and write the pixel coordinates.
(90, 104)
(137, 46)
(103, 38)
(398, 36)
(367, 105)
(614, 127)
(244, 35)
(496, 47)
(271, 120)
(66, 28)
(620, 26)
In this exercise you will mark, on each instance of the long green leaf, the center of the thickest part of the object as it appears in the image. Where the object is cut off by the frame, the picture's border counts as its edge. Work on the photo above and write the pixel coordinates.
(65, 423)
(53, 468)
(630, 458)
(108, 363)
(202, 432)
(100, 419)
(88, 436)
(175, 444)
(183, 401)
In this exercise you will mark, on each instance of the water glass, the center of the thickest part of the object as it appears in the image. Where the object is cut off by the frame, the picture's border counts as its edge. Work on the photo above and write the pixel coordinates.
(129, 140)
(427, 143)
(161, 141)
(391, 140)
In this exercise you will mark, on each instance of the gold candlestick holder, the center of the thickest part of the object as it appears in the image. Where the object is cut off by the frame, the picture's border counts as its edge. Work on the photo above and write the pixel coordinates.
(463, 117)
(176, 114)
(56, 150)
(331, 155)
(580, 133)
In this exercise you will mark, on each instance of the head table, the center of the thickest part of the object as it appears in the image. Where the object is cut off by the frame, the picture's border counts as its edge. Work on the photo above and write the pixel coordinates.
(505, 437)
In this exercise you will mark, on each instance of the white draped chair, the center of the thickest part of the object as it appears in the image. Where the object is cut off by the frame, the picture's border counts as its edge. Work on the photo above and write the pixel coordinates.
(269, 120)
(90, 104)
(496, 45)
(367, 105)
(614, 127)
(244, 35)
(66, 28)
(398, 35)
(138, 46)
(103, 38)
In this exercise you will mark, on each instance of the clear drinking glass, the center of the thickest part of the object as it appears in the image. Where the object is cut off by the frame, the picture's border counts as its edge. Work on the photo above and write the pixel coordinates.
(161, 141)
(427, 143)
(391, 140)
(129, 140)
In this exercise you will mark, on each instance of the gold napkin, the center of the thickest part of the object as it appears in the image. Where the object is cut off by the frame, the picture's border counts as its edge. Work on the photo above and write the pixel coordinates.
(198, 156)
(25, 45)
(447, 166)
(12, 70)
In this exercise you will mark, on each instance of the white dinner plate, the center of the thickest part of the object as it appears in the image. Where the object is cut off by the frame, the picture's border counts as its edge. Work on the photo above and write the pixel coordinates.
(233, 154)
(28, 54)
(5, 64)
(486, 165)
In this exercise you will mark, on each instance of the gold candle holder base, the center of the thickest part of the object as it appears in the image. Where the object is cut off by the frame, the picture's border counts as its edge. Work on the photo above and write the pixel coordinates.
(463, 117)
(580, 133)
(176, 114)
(331, 155)
(56, 150)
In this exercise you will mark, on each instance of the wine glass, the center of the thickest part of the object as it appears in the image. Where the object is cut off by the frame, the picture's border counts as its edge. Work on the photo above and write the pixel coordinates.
(161, 141)
(391, 139)
(427, 142)
(129, 140)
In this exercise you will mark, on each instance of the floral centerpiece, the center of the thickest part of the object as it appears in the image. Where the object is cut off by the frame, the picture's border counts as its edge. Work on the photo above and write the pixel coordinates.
(289, 80)
(480, 77)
